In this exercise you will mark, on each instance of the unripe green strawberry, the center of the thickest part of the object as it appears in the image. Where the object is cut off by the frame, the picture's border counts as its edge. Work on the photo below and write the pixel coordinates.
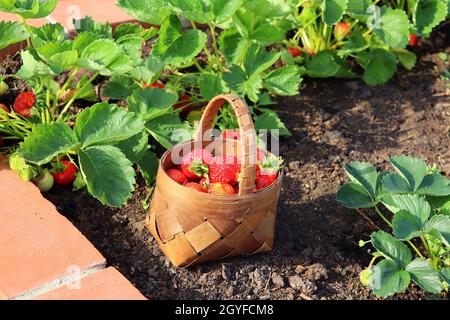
(79, 182)
(3, 88)
(365, 276)
(45, 181)
(21, 167)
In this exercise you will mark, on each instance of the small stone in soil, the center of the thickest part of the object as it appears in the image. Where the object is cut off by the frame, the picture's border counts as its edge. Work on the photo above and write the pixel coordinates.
(227, 272)
(306, 286)
(277, 280)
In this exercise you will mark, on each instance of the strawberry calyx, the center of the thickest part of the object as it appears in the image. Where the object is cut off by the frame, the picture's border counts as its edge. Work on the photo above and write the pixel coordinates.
(199, 168)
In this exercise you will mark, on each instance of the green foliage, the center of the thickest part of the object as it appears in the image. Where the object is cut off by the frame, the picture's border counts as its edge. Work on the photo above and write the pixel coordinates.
(418, 198)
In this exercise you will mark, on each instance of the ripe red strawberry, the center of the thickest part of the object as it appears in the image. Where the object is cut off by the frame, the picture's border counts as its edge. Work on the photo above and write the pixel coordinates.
(156, 84)
(195, 186)
(194, 165)
(221, 188)
(413, 40)
(224, 169)
(265, 180)
(24, 103)
(295, 52)
(64, 174)
(232, 134)
(177, 176)
(341, 30)
(4, 107)
(182, 103)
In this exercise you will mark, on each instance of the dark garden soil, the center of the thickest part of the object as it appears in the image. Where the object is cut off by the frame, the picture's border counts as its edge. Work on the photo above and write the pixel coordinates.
(316, 253)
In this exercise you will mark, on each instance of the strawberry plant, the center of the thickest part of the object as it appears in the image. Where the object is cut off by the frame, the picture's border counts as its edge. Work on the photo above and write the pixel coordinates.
(372, 34)
(236, 59)
(417, 248)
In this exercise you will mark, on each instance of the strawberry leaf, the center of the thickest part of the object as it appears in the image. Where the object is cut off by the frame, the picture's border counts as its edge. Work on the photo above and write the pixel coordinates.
(12, 32)
(411, 169)
(428, 14)
(87, 24)
(434, 185)
(47, 33)
(391, 248)
(414, 204)
(151, 103)
(388, 278)
(195, 10)
(359, 9)
(47, 141)
(109, 175)
(211, 85)
(445, 273)
(333, 10)
(270, 120)
(106, 57)
(32, 67)
(238, 81)
(439, 227)
(169, 130)
(257, 60)
(58, 55)
(31, 9)
(149, 71)
(119, 87)
(379, 67)
(406, 226)
(224, 9)
(406, 58)
(424, 275)
(326, 64)
(150, 11)
(284, 81)
(135, 147)
(364, 174)
(106, 124)
(233, 45)
(353, 195)
(393, 28)
(176, 47)
(148, 166)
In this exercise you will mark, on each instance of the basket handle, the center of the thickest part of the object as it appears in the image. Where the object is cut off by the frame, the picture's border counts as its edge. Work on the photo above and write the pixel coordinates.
(247, 141)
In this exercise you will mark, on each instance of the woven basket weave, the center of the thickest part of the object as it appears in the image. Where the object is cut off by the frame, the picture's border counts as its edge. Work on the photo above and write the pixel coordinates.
(193, 227)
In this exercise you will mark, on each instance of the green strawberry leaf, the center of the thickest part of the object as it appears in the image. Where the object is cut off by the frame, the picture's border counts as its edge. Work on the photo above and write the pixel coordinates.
(284, 81)
(109, 175)
(58, 55)
(445, 273)
(393, 28)
(394, 183)
(354, 195)
(176, 47)
(379, 67)
(47, 33)
(233, 45)
(326, 64)
(29, 9)
(132, 47)
(356, 43)
(148, 166)
(434, 185)
(135, 147)
(106, 124)
(169, 130)
(391, 248)
(406, 58)
(46, 141)
(411, 169)
(224, 9)
(333, 10)
(238, 81)
(87, 24)
(406, 226)
(364, 174)
(149, 71)
(428, 14)
(212, 85)
(388, 278)
(359, 9)
(439, 227)
(424, 275)
(414, 204)
(106, 57)
(270, 120)
(32, 67)
(196, 10)
(266, 34)
(270, 8)
(11, 33)
(119, 87)
(150, 11)
(151, 103)
(258, 60)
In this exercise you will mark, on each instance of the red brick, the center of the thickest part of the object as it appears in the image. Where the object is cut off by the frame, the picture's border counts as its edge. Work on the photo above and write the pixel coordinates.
(107, 284)
(37, 244)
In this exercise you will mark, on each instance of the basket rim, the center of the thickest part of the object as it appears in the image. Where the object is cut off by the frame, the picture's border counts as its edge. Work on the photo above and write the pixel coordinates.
(208, 195)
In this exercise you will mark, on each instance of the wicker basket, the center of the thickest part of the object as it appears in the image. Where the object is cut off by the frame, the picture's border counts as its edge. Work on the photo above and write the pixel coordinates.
(193, 227)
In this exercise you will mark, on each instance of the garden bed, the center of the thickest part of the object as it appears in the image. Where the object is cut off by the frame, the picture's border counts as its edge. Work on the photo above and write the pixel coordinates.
(316, 254)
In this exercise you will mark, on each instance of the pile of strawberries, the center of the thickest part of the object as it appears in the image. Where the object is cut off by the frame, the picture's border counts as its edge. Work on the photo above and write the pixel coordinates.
(219, 175)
